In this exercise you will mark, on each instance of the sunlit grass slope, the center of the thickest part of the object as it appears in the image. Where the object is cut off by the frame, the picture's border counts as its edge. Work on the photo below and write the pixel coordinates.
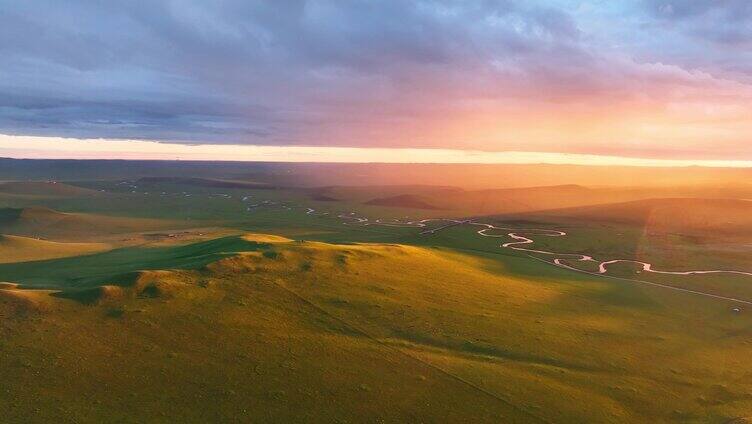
(23, 249)
(36, 221)
(119, 265)
(263, 329)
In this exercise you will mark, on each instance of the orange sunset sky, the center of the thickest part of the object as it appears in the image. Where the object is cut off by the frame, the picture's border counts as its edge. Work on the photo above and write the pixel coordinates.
(597, 82)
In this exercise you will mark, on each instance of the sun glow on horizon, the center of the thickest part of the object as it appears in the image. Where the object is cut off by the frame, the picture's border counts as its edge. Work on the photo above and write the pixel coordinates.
(29, 147)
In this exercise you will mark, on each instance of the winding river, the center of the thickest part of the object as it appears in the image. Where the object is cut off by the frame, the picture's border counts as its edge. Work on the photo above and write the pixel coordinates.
(523, 243)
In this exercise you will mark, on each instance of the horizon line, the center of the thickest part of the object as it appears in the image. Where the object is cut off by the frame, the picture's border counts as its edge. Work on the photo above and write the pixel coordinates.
(60, 148)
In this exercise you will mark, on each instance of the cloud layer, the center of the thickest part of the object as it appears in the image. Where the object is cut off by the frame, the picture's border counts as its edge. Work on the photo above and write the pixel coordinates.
(652, 78)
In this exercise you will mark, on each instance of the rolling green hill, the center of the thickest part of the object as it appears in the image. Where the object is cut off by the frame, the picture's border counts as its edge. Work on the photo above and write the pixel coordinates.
(403, 201)
(40, 221)
(140, 302)
(261, 328)
(44, 188)
(23, 249)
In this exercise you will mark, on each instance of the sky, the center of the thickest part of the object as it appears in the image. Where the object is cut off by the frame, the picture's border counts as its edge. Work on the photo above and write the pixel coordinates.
(663, 80)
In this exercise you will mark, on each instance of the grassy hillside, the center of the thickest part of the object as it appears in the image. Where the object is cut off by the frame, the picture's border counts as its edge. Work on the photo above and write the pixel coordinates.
(520, 200)
(266, 329)
(127, 317)
(44, 188)
(456, 200)
(203, 182)
(365, 193)
(408, 201)
(39, 221)
(480, 202)
(118, 266)
(23, 249)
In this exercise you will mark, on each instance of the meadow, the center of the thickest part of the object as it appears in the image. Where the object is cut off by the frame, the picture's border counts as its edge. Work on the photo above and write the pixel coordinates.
(129, 301)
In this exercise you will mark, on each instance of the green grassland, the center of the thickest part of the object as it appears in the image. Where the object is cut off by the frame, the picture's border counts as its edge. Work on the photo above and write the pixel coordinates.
(22, 249)
(314, 331)
(184, 311)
